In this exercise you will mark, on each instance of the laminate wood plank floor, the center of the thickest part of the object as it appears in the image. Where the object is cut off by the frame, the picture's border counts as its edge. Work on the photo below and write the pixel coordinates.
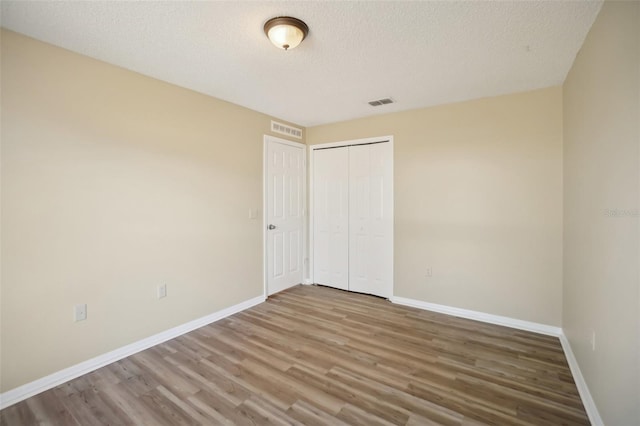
(318, 356)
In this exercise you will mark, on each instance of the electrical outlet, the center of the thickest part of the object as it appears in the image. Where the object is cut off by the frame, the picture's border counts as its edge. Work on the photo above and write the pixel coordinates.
(429, 273)
(80, 312)
(162, 291)
(593, 340)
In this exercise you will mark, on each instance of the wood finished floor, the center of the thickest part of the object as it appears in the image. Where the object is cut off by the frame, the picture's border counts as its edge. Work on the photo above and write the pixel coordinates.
(318, 356)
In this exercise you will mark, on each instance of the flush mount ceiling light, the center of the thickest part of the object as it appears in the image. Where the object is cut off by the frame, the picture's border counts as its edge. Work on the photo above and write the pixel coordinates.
(285, 32)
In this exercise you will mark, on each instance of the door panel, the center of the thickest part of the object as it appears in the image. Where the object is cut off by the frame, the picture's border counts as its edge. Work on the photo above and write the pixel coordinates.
(331, 220)
(294, 259)
(371, 219)
(285, 177)
(358, 217)
(381, 173)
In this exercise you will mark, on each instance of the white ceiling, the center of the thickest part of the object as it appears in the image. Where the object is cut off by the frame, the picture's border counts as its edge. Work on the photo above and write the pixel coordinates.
(419, 53)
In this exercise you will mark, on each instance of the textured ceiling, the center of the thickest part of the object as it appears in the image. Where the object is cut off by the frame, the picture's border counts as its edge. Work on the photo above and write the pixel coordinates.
(419, 53)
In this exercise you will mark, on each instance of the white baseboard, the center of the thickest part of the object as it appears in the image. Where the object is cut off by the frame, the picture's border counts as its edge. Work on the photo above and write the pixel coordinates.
(585, 395)
(307, 281)
(37, 386)
(581, 384)
(25, 391)
(481, 316)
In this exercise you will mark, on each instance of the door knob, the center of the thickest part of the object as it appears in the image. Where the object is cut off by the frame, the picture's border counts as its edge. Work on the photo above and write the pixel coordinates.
(272, 227)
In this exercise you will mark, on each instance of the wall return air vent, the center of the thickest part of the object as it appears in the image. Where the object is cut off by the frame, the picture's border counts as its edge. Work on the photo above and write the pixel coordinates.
(379, 102)
(283, 129)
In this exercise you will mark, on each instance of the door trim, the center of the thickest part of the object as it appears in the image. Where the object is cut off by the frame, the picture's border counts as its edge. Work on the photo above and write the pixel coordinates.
(364, 141)
(267, 139)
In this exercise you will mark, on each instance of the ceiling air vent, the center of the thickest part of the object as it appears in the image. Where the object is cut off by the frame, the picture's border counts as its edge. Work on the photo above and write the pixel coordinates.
(379, 102)
(283, 129)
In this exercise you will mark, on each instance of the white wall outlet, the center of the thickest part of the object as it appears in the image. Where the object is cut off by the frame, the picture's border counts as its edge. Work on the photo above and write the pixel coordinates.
(80, 312)
(429, 273)
(162, 291)
(593, 340)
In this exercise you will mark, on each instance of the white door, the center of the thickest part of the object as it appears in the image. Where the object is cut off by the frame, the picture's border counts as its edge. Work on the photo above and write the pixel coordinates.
(331, 217)
(371, 219)
(284, 201)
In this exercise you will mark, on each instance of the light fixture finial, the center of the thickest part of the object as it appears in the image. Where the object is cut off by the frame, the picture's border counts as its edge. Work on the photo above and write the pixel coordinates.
(286, 32)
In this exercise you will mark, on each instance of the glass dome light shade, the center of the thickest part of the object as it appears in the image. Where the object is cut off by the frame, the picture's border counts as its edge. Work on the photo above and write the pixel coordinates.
(286, 32)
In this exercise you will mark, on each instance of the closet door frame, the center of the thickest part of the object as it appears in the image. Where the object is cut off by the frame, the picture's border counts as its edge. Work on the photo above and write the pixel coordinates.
(346, 143)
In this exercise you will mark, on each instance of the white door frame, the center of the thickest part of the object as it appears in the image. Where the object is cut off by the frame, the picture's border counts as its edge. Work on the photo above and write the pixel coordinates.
(312, 148)
(303, 254)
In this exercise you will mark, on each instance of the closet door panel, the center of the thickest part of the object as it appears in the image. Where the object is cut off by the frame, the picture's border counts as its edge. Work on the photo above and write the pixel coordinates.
(331, 217)
(381, 219)
(359, 218)
(371, 219)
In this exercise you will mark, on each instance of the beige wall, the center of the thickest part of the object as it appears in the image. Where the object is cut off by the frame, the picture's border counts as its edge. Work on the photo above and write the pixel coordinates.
(601, 216)
(478, 198)
(113, 183)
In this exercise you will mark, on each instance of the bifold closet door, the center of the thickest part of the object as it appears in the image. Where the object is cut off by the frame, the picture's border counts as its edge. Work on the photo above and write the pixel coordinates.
(331, 217)
(371, 219)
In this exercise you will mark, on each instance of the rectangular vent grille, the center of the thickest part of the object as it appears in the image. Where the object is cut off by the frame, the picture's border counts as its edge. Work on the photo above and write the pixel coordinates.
(379, 102)
(286, 130)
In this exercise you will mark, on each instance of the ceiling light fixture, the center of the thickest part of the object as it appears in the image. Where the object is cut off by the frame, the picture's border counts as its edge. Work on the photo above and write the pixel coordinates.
(285, 32)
